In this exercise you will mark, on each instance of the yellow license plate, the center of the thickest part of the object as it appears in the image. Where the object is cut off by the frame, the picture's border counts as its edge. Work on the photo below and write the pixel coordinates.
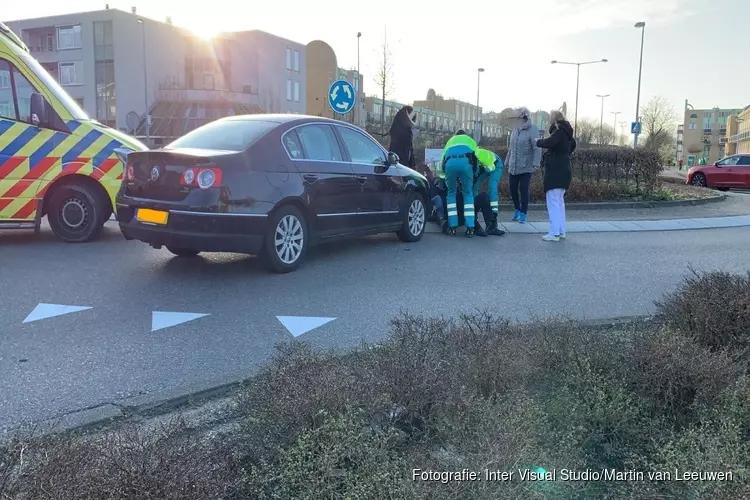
(152, 216)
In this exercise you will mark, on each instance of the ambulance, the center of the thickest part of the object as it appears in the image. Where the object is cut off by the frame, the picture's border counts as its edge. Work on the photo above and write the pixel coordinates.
(54, 159)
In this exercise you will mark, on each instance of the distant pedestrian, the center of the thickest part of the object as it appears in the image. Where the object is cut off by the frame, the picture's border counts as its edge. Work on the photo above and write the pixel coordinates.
(402, 134)
(558, 172)
(523, 158)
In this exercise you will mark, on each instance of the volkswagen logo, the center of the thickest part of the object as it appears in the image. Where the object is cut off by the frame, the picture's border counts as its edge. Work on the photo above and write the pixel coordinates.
(154, 173)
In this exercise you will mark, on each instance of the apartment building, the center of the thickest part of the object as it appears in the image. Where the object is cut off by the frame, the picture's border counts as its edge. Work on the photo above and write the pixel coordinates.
(704, 134)
(465, 113)
(374, 106)
(738, 133)
(119, 66)
(322, 70)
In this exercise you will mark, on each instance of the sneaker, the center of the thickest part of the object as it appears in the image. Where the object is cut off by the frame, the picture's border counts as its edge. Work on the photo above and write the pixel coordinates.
(562, 236)
(451, 231)
(469, 232)
(550, 237)
(516, 214)
(522, 218)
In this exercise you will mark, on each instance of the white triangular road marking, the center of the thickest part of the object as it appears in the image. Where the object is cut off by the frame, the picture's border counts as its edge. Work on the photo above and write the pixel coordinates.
(43, 311)
(162, 319)
(297, 325)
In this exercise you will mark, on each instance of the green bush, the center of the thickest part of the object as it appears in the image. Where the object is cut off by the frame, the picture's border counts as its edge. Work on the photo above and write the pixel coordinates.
(714, 308)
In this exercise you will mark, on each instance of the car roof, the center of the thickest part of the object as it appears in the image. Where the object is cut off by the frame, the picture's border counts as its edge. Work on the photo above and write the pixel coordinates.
(284, 119)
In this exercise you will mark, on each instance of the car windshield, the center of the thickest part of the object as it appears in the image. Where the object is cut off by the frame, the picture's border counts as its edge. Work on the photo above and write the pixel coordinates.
(73, 108)
(228, 135)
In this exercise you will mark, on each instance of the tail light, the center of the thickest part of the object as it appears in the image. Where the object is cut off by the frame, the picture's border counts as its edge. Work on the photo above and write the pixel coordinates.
(129, 172)
(201, 177)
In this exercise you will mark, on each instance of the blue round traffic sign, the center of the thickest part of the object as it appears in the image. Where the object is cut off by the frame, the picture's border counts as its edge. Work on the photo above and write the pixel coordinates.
(341, 96)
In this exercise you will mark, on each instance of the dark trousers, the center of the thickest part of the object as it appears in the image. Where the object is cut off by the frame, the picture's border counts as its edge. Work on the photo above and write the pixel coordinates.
(481, 204)
(519, 188)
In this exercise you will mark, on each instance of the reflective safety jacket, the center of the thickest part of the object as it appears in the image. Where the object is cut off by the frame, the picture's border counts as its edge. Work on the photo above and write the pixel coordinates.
(456, 140)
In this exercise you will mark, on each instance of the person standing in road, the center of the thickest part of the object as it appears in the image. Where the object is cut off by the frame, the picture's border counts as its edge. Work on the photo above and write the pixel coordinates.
(523, 158)
(558, 172)
(402, 133)
(458, 163)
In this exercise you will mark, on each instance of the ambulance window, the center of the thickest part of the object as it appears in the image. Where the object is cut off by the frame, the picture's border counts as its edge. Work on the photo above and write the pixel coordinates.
(23, 95)
(7, 109)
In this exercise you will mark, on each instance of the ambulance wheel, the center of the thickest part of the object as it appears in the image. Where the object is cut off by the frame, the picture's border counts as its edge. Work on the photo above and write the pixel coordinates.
(75, 213)
(414, 219)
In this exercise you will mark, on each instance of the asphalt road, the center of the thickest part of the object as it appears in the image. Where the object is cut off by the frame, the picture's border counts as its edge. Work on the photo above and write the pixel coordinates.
(109, 352)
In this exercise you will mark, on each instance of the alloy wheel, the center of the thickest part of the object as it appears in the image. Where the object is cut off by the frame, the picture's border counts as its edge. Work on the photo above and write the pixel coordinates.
(289, 240)
(699, 180)
(416, 217)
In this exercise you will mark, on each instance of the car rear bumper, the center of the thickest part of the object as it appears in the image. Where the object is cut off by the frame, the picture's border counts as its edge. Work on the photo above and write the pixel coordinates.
(203, 231)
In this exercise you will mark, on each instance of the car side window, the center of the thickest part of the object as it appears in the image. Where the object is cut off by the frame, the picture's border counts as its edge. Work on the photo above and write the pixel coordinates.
(319, 142)
(7, 105)
(292, 145)
(24, 89)
(744, 161)
(361, 148)
(729, 162)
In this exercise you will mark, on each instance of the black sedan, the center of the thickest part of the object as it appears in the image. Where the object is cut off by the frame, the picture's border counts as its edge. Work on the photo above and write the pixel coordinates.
(269, 185)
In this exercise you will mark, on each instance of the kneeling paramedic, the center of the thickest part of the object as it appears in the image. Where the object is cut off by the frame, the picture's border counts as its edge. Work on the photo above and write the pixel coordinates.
(458, 162)
(490, 169)
(481, 203)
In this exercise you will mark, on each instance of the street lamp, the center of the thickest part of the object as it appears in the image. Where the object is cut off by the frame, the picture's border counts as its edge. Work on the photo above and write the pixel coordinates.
(359, 81)
(622, 132)
(601, 123)
(614, 127)
(641, 25)
(578, 79)
(145, 84)
(478, 120)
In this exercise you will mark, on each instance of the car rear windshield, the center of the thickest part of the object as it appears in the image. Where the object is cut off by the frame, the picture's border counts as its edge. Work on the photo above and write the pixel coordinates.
(229, 135)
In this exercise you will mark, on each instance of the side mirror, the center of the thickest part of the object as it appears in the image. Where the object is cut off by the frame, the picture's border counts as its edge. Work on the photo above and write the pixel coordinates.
(393, 159)
(39, 110)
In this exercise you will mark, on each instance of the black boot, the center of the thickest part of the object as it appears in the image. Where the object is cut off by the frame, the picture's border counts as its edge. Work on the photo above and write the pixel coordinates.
(469, 232)
(493, 229)
(451, 231)
(479, 231)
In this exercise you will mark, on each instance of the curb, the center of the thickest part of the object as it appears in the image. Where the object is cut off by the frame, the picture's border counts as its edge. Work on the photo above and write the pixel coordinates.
(134, 408)
(614, 205)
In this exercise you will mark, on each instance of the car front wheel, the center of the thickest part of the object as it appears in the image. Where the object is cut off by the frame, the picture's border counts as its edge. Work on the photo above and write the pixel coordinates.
(286, 240)
(699, 180)
(414, 219)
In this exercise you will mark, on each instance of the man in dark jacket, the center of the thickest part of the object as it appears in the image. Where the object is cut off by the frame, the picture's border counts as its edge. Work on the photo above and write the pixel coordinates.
(402, 136)
(558, 172)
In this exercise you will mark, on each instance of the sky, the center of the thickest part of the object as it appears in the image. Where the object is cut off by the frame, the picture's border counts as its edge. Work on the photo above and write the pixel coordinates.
(693, 49)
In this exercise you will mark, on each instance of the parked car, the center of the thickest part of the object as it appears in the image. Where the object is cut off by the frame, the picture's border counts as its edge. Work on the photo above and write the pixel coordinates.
(269, 185)
(730, 172)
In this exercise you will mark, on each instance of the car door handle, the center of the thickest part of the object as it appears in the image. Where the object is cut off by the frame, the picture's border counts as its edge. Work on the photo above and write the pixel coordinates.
(361, 178)
(310, 177)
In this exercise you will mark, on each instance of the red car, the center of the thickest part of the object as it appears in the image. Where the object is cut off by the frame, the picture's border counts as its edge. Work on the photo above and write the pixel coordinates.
(730, 172)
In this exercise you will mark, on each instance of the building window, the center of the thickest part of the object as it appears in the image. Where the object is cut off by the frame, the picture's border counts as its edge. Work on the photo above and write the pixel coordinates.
(69, 37)
(104, 73)
(296, 91)
(691, 126)
(71, 73)
(50, 42)
(80, 102)
(296, 61)
(288, 58)
(288, 90)
(376, 109)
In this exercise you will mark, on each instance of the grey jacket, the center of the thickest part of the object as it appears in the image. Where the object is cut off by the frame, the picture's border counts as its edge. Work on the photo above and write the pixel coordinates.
(524, 156)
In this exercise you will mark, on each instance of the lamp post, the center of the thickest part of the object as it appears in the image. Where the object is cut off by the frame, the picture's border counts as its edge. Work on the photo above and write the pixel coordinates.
(359, 81)
(145, 84)
(622, 132)
(478, 120)
(578, 79)
(601, 123)
(641, 25)
(614, 127)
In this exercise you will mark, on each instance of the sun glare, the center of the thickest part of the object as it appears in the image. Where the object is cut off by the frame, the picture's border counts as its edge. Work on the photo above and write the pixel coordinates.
(205, 32)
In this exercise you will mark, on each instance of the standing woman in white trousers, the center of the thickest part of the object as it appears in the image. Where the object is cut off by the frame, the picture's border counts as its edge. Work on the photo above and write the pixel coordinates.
(558, 172)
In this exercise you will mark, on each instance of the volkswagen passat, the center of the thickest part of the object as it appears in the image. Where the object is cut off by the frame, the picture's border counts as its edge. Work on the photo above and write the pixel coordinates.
(269, 185)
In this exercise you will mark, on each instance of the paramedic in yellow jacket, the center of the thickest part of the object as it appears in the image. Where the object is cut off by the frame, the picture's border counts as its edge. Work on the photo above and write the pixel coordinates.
(491, 169)
(459, 162)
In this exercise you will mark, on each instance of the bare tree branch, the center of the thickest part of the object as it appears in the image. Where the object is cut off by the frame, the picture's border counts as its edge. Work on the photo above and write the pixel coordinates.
(384, 78)
(658, 116)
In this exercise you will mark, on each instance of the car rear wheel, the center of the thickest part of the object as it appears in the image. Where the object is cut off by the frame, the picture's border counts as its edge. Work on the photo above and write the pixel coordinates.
(414, 219)
(76, 213)
(723, 189)
(699, 180)
(286, 241)
(183, 252)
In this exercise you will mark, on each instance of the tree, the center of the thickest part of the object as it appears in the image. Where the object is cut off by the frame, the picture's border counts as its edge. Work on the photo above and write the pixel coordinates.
(384, 78)
(588, 131)
(659, 122)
